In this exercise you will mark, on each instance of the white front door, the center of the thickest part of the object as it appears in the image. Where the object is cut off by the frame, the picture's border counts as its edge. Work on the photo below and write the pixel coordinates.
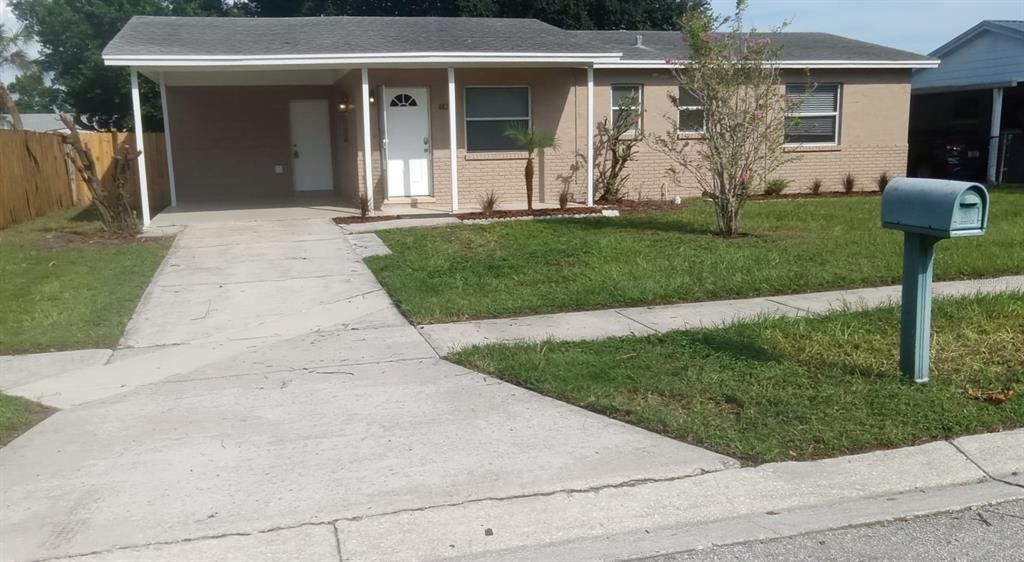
(407, 141)
(311, 144)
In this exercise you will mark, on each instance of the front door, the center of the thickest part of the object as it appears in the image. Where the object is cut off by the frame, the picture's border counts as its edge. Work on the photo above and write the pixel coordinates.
(311, 144)
(407, 141)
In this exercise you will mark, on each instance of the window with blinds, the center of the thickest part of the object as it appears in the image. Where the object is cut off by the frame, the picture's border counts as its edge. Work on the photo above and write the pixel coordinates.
(815, 117)
(490, 112)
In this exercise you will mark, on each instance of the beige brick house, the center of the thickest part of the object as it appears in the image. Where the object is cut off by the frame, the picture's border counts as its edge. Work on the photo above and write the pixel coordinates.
(269, 109)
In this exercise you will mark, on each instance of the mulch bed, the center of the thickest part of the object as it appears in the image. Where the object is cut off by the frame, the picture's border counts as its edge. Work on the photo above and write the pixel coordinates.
(823, 194)
(624, 205)
(360, 220)
(515, 214)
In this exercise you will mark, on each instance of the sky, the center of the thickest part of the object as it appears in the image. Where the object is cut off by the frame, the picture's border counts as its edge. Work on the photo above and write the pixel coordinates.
(913, 25)
(919, 26)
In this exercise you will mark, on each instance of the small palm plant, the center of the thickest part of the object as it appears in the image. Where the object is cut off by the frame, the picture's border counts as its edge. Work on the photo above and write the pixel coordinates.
(532, 141)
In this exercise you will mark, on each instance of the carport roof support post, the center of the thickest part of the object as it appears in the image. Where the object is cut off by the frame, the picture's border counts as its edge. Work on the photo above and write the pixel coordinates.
(140, 146)
(993, 139)
(367, 157)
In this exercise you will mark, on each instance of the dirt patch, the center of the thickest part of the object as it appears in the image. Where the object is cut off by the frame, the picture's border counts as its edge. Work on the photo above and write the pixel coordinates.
(499, 215)
(61, 239)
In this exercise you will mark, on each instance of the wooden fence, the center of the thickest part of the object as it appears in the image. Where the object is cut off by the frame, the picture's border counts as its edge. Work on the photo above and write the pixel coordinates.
(36, 177)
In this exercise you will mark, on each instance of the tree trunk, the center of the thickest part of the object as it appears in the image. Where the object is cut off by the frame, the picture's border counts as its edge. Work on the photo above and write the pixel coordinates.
(529, 182)
(728, 217)
(12, 109)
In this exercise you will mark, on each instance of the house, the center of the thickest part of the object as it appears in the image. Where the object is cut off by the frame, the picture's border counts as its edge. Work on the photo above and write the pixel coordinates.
(270, 108)
(967, 115)
(40, 122)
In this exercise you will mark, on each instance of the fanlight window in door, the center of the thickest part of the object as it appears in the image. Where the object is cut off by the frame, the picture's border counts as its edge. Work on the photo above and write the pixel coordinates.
(403, 100)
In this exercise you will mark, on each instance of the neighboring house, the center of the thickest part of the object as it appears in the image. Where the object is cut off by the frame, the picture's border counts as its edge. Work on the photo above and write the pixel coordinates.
(264, 108)
(39, 122)
(967, 115)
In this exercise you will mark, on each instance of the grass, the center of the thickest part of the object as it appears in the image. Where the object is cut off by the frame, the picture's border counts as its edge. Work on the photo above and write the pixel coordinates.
(67, 284)
(788, 389)
(17, 415)
(530, 267)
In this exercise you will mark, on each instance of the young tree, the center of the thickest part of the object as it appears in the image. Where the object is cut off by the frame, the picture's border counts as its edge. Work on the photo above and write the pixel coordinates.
(615, 146)
(532, 141)
(13, 55)
(736, 77)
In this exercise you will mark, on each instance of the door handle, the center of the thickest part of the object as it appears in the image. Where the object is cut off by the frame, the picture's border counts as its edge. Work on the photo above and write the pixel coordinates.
(295, 154)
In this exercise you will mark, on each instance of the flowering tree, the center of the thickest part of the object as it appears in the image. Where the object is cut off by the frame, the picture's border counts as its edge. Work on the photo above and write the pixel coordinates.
(735, 76)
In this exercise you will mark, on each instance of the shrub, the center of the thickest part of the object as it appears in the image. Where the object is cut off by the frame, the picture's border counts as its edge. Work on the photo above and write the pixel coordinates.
(816, 186)
(364, 205)
(775, 186)
(848, 183)
(564, 197)
(489, 202)
(883, 180)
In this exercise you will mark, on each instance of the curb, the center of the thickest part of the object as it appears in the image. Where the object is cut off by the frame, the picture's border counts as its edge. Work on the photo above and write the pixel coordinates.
(726, 507)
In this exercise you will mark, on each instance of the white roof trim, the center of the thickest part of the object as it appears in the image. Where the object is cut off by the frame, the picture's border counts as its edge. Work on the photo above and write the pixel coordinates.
(354, 59)
(783, 64)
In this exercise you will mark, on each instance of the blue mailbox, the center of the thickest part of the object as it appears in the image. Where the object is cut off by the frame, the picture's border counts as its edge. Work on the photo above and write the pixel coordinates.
(927, 211)
(937, 208)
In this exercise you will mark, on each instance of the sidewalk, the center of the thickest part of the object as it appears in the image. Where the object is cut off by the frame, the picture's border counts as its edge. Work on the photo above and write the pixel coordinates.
(639, 321)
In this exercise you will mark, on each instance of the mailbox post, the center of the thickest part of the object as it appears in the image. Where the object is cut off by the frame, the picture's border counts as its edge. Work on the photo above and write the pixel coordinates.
(927, 211)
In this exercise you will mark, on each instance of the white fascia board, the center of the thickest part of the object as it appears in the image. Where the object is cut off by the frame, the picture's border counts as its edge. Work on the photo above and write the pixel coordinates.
(785, 64)
(389, 59)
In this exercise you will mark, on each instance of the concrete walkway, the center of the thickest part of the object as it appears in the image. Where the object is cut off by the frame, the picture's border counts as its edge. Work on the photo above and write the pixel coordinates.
(600, 324)
(269, 383)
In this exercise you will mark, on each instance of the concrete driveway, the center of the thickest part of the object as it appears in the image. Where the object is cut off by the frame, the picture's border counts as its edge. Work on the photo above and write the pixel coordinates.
(321, 404)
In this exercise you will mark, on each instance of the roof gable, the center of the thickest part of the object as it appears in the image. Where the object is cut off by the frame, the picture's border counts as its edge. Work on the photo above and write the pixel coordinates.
(1012, 28)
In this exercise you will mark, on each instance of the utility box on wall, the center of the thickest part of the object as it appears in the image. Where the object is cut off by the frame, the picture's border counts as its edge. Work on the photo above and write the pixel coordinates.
(938, 208)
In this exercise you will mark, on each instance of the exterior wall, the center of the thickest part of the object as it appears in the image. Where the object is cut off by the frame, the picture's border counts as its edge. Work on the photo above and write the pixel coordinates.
(873, 126)
(558, 104)
(227, 140)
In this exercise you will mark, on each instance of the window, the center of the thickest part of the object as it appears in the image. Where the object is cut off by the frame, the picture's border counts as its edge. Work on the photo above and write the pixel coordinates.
(627, 104)
(403, 100)
(691, 112)
(816, 119)
(489, 113)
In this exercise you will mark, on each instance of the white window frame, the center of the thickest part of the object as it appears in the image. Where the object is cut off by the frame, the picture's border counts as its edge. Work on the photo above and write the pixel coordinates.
(679, 122)
(466, 118)
(639, 107)
(837, 114)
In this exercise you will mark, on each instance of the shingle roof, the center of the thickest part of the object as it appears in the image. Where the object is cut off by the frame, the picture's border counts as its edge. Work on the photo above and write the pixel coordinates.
(796, 46)
(152, 35)
(353, 36)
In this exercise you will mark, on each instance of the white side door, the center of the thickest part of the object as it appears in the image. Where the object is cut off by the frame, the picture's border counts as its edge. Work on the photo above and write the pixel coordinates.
(407, 138)
(310, 123)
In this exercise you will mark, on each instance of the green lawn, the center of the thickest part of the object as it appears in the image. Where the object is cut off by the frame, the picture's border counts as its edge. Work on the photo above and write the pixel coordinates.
(789, 389)
(68, 285)
(528, 267)
(17, 415)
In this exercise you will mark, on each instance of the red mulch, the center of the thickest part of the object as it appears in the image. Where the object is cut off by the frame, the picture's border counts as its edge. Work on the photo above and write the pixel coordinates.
(498, 215)
(358, 220)
(824, 194)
